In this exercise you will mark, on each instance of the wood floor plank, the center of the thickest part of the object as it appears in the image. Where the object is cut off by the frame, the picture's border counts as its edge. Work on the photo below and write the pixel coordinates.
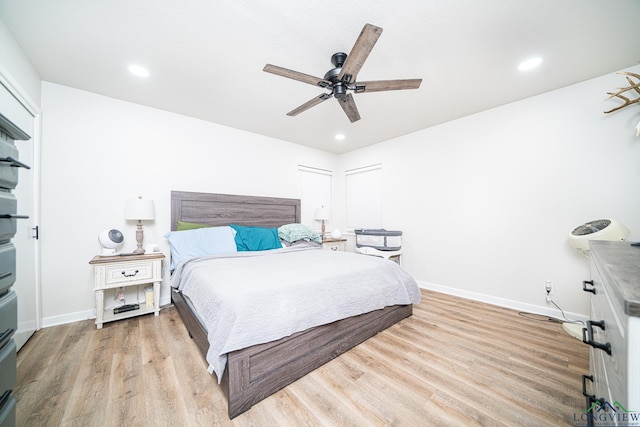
(455, 362)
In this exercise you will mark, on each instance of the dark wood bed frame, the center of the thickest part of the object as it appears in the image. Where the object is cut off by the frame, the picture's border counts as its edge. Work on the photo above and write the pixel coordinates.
(256, 372)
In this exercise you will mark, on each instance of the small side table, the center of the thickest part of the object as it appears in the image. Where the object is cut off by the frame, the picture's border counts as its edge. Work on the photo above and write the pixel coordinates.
(123, 271)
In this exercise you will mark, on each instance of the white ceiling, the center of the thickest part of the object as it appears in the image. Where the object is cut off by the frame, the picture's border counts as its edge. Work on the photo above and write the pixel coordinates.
(206, 57)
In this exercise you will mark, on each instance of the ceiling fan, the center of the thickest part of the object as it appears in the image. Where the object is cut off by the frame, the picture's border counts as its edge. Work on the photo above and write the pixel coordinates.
(342, 79)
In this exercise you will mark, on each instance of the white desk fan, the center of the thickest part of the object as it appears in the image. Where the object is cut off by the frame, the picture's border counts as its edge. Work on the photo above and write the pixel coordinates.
(110, 240)
(599, 229)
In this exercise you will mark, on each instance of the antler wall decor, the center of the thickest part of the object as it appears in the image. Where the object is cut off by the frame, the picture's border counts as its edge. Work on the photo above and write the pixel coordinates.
(634, 86)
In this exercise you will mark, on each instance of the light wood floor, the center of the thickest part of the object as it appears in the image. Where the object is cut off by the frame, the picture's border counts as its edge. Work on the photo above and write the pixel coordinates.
(454, 362)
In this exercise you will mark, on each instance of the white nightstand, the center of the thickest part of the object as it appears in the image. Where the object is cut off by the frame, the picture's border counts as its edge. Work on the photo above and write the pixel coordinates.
(334, 244)
(123, 271)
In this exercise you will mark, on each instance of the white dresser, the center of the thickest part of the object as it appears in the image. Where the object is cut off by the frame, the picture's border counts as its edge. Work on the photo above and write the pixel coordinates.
(612, 388)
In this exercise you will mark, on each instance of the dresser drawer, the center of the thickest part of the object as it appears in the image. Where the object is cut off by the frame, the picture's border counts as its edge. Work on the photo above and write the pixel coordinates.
(8, 173)
(126, 272)
(8, 367)
(8, 316)
(600, 386)
(7, 266)
(8, 206)
(605, 308)
(7, 410)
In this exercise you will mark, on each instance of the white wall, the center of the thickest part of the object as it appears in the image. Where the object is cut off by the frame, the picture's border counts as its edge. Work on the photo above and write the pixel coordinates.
(486, 202)
(97, 152)
(15, 66)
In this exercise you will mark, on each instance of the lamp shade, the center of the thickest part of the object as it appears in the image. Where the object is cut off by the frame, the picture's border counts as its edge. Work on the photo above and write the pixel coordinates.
(139, 209)
(322, 213)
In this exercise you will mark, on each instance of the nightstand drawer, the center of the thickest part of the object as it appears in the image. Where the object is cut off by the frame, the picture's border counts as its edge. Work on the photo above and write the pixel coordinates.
(338, 245)
(128, 272)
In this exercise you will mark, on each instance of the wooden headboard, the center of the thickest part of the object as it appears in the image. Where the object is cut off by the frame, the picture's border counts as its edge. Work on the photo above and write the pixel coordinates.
(224, 209)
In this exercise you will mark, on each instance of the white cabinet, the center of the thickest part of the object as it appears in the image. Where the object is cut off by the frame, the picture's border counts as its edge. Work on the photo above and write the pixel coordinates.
(613, 332)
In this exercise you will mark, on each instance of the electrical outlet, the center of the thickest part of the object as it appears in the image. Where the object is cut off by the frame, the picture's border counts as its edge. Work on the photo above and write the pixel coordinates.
(547, 289)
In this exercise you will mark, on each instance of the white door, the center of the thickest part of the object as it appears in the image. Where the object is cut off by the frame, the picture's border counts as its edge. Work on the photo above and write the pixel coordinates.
(22, 113)
(26, 284)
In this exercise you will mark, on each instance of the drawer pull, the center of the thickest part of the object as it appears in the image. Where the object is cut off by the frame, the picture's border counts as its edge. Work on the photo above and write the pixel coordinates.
(124, 273)
(590, 283)
(589, 331)
(14, 216)
(5, 275)
(6, 335)
(584, 385)
(14, 163)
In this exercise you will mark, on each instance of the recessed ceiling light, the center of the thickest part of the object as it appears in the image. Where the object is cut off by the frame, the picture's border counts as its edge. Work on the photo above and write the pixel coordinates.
(138, 71)
(530, 63)
(340, 137)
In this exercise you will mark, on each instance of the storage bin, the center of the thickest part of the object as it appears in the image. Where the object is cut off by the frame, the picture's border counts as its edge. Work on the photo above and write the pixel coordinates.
(381, 239)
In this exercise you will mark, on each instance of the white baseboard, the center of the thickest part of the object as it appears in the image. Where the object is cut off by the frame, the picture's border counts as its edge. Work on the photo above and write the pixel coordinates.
(83, 315)
(62, 319)
(503, 302)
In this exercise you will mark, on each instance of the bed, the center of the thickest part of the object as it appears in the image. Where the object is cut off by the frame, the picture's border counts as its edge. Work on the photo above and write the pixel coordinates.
(257, 371)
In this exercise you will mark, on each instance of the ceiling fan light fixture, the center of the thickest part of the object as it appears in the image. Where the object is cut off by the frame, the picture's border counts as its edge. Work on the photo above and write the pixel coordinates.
(530, 64)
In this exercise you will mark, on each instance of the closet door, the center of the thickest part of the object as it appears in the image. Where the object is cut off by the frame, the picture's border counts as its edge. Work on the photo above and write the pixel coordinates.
(26, 285)
(18, 113)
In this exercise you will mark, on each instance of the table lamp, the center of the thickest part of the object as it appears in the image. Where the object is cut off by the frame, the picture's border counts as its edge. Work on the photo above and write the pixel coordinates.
(322, 215)
(139, 210)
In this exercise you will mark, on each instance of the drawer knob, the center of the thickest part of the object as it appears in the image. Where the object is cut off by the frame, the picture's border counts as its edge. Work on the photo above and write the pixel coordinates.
(590, 283)
(588, 331)
(124, 273)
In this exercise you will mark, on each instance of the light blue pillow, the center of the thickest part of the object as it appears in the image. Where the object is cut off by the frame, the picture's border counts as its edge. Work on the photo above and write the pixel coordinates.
(256, 238)
(200, 242)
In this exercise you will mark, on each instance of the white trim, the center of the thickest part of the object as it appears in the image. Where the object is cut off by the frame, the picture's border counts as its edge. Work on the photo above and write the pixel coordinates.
(363, 169)
(502, 302)
(80, 316)
(314, 170)
(62, 319)
(16, 90)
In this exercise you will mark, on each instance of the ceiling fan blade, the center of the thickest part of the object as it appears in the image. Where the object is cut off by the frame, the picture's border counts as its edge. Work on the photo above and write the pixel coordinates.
(349, 107)
(311, 103)
(359, 53)
(382, 85)
(295, 75)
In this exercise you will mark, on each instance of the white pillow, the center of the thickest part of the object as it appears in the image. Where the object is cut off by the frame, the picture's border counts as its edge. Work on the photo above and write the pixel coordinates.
(200, 242)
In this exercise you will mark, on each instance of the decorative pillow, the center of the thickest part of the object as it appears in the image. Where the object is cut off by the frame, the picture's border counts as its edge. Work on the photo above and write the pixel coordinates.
(182, 226)
(294, 232)
(256, 238)
(200, 242)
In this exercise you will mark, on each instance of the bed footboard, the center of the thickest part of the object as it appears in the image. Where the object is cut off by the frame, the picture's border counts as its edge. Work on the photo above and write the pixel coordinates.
(259, 371)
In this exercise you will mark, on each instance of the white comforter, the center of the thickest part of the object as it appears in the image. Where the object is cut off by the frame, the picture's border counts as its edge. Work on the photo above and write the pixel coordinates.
(251, 298)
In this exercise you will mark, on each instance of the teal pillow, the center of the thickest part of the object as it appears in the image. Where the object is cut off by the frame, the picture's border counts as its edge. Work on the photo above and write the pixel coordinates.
(256, 238)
